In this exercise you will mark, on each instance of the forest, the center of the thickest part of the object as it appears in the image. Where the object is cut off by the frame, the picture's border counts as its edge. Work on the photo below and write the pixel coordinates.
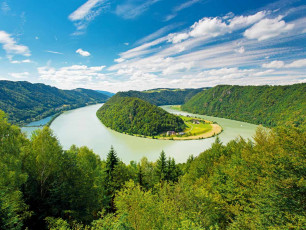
(266, 105)
(244, 184)
(25, 102)
(135, 116)
(163, 96)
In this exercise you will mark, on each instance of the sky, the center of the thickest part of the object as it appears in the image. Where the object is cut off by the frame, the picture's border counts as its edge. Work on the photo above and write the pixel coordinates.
(119, 45)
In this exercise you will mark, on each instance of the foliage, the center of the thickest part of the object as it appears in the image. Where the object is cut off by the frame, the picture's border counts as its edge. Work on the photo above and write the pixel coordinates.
(25, 102)
(266, 105)
(163, 96)
(244, 184)
(135, 116)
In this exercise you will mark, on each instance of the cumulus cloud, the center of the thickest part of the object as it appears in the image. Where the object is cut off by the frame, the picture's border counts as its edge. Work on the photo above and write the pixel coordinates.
(83, 52)
(268, 28)
(11, 47)
(213, 27)
(71, 75)
(86, 13)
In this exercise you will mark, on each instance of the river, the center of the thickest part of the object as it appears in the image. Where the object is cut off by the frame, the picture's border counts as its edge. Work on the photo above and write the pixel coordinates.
(82, 128)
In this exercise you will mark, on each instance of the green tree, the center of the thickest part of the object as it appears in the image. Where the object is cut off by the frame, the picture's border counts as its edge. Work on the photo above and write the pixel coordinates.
(161, 167)
(13, 210)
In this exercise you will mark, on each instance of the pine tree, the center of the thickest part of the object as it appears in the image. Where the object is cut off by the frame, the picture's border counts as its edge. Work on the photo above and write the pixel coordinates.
(161, 168)
(111, 162)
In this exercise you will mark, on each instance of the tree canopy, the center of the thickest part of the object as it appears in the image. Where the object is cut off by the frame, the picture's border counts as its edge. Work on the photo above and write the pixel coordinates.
(135, 116)
(267, 105)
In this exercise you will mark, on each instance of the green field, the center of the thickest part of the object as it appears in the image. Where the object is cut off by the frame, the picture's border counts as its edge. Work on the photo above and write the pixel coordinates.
(176, 107)
(196, 129)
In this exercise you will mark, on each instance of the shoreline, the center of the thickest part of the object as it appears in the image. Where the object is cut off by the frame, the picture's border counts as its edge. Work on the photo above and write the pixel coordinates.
(54, 116)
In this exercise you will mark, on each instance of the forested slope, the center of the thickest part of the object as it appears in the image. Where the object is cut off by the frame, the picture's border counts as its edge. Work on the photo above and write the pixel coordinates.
(25, 102)
(163, 96)
(135, 116)
(240, 185)
(267, 105)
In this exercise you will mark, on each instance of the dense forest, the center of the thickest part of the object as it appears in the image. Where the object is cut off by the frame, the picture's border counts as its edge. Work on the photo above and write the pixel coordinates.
(240, 185)
(25, 102)
(135, 116)
(163, 96)
(266, 105)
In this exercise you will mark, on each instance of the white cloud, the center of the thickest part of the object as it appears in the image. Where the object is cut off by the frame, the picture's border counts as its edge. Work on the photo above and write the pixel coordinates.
(264, 73)
(22, 61)
(297, 64)
(83, 52)
(86, 13)
(179, 67)
(84, 10)
(176, 38)
(19, 75)
(280, 64)
(181, 7)
(213, 27)
(53, 52)
(11, 47)
(119, 60)
(156, 34)
(241, 50)
(68, 77)
(131, 10)
(274, 64)
(126, 43)
(268, 28)
(239, 22)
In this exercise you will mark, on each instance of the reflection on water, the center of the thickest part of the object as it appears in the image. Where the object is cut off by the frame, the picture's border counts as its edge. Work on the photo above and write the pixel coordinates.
(82, 128)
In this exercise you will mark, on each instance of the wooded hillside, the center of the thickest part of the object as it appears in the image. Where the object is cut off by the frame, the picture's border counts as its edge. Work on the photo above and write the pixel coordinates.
(25, 102)
(267, 105)
(135, 116)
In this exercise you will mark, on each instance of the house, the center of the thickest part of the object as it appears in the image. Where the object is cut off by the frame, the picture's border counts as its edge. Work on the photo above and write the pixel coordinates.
(170, 133)
(181, 133)
(196, 122)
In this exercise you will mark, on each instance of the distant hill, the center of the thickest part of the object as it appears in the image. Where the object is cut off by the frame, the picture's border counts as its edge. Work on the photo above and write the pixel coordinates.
(267, 105)
(163, 96)
(135, 116)
(109, 94)
(25, 102)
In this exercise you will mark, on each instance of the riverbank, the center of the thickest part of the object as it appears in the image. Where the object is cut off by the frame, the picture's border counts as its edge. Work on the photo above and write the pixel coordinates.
(42, 123)
(196, 129)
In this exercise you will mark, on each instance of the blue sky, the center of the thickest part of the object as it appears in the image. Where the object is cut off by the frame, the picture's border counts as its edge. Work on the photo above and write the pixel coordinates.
(143, 44)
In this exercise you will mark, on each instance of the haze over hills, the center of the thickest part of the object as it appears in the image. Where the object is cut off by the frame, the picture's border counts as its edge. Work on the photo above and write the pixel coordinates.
(110, 94)
(24, 102)
(267, 105)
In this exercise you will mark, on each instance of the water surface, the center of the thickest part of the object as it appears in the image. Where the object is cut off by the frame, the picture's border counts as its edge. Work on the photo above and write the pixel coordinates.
(82, 127)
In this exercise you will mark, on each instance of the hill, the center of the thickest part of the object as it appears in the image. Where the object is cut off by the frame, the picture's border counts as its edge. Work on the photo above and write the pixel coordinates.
(25, 102)
(267, 105)
(109, 94)
(163, 96)
(135, 116)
